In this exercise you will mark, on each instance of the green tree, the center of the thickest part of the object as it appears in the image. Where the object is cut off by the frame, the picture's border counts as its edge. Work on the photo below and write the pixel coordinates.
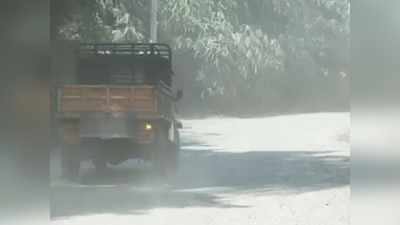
(277, 53)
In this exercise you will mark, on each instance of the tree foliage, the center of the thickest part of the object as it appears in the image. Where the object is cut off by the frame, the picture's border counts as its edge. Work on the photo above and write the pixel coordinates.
(271, 51)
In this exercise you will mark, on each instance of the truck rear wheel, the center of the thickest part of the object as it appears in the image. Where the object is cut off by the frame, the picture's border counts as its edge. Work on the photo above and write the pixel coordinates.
(70, 162)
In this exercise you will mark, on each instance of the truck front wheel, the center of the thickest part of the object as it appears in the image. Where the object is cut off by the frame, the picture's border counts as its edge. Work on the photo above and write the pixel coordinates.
(165, 154)
(70, 161)
(100, 164)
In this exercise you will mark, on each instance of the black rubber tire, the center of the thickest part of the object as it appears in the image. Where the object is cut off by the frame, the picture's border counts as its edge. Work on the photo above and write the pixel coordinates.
(160, 144)
(70, 162)
(165, 154)
(100, 165)
(173, 155)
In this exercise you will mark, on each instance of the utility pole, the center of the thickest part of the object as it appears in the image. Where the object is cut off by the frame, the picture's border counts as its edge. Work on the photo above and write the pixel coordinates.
(153, 21)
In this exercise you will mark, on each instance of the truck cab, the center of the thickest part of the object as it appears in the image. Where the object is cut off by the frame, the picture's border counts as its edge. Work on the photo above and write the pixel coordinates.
(121, 105)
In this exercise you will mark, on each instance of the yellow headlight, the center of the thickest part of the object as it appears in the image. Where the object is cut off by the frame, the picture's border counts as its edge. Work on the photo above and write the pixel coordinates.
(148, 126)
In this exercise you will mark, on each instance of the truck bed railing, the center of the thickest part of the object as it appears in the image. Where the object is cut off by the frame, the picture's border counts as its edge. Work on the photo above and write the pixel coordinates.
(137, 49)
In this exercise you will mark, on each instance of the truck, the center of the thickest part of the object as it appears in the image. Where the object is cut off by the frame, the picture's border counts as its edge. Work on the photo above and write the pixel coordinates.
(120, 105)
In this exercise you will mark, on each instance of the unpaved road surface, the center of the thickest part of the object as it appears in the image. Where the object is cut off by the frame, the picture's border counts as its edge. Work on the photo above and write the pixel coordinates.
(286, 170)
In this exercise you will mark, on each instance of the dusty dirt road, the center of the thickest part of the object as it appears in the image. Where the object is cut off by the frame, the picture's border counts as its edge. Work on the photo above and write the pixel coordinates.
(277, 170)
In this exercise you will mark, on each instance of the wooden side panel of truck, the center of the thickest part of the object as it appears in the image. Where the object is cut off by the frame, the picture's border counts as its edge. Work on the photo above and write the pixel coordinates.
(147, 103)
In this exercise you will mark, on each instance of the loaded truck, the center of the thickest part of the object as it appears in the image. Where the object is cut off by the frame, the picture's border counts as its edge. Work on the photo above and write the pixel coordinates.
(120, 104)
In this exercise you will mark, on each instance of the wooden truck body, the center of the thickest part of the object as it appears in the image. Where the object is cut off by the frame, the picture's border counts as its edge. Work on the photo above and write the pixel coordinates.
(106, 111)
(121, 106)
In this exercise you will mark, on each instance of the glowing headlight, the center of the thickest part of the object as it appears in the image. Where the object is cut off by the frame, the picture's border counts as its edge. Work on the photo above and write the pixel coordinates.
(148, 126)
